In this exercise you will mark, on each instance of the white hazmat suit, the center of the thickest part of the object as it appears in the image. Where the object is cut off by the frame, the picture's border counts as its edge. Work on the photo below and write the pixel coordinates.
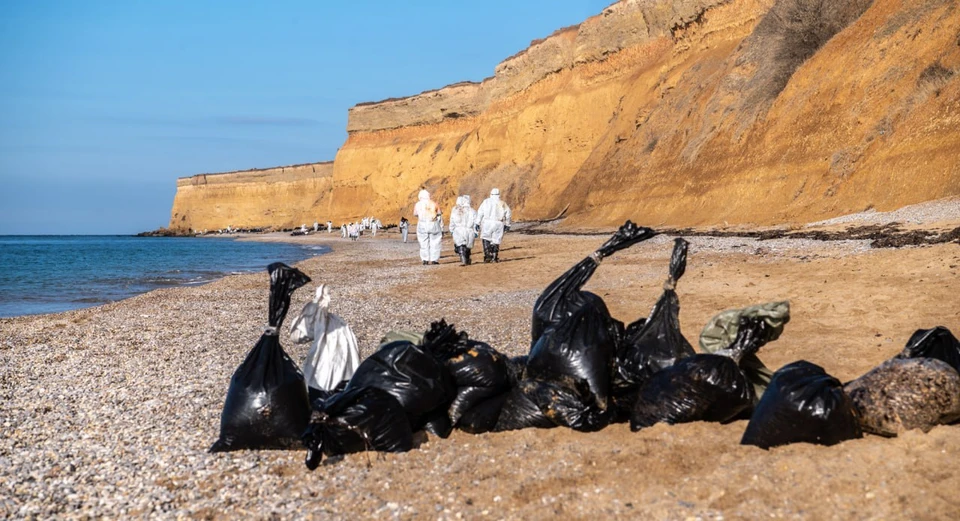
(333, 356)
(462, 218)
(429, 228)
(493, 217)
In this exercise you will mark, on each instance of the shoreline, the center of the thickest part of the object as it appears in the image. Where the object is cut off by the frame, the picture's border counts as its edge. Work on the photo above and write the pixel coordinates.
(110, 409)
(79, 272)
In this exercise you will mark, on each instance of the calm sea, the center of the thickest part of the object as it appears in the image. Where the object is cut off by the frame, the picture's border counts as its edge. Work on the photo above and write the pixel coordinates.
(53, 273)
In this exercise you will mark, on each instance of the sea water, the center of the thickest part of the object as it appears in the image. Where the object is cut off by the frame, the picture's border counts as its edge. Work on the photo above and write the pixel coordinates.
(53, 273)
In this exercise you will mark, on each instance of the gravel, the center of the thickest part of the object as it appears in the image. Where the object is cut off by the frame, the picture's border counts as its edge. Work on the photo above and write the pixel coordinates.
(108, 411)
(926, 213)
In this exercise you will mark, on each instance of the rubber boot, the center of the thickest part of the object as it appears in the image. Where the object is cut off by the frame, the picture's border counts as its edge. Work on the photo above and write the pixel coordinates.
(466, 255)
(495, 252)
(462, 250)
(486, 251)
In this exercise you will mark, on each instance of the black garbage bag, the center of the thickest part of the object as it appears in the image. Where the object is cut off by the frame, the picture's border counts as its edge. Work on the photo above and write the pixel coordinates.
(482, 376)
(438, 424)
(564, 296)
(567, 378)
(566, 402)
(937, 343)
(702, 387)
(357, 420)
(520, 410)
(802, 404)
(319, 396)
(654, 343)
(518, 367)
(483, 416)
(413, 376)
(267, 405)
(479, 371)
(580, 348)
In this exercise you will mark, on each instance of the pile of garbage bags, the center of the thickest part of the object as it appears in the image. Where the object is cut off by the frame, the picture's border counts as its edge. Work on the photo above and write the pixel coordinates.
(585, 370)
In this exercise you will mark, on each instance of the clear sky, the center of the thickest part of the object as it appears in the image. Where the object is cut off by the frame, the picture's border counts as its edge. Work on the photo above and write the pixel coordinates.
(104, 104)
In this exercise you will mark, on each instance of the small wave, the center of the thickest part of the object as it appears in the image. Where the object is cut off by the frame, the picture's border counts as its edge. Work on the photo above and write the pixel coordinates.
(91, 300)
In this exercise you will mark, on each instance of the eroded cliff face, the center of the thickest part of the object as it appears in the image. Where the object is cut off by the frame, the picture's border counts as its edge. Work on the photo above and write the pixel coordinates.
(282, 197)
(677, 113)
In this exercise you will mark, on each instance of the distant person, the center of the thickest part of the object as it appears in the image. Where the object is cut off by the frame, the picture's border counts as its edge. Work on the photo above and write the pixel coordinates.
(343, 231)
(404, 227)
(493, 218)
(429, 227)
(316, 226)
(462, 217)
(374, 226)
(353, 230)
(329, 226)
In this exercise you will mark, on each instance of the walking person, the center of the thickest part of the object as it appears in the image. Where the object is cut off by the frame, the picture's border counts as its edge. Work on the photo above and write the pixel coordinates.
(404, 227)
(429, 227)
(343, 231)
(462, 217)
(493, 218)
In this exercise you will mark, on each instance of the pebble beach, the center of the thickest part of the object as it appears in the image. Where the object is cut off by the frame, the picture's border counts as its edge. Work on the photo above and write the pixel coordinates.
(109, 411)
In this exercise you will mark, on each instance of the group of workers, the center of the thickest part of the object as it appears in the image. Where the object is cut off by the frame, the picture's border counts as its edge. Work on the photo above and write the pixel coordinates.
(355, 229)
(489, 221)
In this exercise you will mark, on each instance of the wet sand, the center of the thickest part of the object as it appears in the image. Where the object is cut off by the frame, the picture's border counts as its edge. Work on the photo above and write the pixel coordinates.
(109, 411)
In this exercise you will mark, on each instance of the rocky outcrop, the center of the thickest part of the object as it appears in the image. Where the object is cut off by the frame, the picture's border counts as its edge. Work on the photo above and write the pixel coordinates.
(676, 113)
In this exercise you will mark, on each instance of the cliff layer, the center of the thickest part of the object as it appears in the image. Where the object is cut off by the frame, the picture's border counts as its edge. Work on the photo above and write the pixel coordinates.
(683, 112)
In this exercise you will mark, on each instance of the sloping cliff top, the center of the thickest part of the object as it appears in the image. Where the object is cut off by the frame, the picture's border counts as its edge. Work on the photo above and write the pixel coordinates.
(621, 25)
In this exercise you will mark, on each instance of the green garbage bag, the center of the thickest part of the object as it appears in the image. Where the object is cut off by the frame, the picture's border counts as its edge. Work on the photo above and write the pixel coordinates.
(413, 337)
(720, 331)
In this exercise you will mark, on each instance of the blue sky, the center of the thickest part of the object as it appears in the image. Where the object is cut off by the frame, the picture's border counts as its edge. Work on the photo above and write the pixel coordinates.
(104, 104)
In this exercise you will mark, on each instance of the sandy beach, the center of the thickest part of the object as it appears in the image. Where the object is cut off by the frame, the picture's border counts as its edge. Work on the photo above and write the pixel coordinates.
(109, 411)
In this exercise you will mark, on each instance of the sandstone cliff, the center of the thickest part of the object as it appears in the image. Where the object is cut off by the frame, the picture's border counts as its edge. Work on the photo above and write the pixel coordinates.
(683, 112)
(281, 197)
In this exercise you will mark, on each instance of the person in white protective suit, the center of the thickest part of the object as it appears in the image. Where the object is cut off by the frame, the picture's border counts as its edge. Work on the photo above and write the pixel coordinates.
(404, 227)
(462, 217)
(493, 218)
(429, 227)
(333, 356)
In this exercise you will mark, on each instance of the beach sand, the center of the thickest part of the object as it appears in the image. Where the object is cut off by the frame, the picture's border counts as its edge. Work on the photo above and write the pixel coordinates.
(109, 411)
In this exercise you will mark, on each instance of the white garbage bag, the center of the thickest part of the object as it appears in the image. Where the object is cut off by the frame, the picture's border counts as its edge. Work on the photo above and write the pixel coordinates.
(333, 355)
